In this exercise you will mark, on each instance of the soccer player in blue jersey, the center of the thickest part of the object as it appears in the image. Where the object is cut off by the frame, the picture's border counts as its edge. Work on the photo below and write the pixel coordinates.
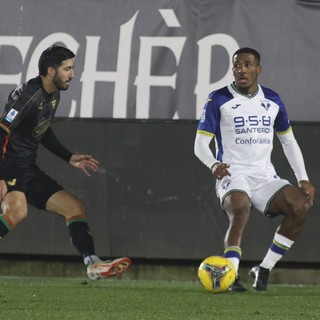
(24, 124)
(243, 118)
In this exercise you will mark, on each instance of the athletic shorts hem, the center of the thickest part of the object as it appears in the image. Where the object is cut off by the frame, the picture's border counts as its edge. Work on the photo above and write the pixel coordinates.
(270, 200)
(231, 191)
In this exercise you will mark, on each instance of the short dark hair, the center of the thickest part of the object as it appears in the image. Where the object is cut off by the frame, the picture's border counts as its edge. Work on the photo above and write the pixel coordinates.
(254, 52)
(53, 57)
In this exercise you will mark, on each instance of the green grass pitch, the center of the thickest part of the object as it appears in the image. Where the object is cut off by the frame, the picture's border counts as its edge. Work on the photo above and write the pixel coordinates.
(63, 299)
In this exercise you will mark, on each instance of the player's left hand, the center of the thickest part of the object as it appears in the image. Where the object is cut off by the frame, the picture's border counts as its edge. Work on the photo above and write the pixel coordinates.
(84, 162)
(219, 170)
(308, 190)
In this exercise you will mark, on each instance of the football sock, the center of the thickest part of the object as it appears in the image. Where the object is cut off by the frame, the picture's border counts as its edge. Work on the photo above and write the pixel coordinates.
(277, 250)
(6, 225)
(234, 255)
(90, 260)
(80, 235)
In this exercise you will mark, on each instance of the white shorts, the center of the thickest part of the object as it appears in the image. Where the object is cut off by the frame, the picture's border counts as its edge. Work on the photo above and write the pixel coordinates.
(260, 191)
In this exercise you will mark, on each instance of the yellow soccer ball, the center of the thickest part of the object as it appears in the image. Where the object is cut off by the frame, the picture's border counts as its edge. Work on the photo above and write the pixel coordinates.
(216, 274)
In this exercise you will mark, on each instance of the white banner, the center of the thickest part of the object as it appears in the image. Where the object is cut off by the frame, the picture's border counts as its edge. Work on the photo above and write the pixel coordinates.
(159, 59)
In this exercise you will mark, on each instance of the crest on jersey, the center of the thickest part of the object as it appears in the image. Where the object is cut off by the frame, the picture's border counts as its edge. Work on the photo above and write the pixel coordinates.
(266, 105)
(11, 115)
(41, 127)
(225, 186)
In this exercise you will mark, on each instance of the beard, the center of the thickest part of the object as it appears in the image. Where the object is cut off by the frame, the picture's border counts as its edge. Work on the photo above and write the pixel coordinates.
(61, 85)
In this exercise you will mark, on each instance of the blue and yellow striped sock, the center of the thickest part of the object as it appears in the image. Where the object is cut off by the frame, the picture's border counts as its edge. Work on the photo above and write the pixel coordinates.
(233, 254)
(278, 248)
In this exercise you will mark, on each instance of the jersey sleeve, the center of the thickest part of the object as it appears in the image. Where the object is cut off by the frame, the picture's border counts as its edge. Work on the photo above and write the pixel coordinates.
(202, 150)
(51, 142)
(11, 116)
(210, 118)
(3, 140)
(289, 144)
(294, 155)
(282, 123)
(207, 129)
(15, 107)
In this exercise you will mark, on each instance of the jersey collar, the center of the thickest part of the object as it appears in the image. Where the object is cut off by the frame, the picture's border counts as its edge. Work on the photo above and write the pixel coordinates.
(250, 96)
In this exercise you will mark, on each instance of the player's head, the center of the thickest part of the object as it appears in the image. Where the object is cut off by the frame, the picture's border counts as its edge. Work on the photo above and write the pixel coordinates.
(246, 68)
(53, 57)
(254, 52)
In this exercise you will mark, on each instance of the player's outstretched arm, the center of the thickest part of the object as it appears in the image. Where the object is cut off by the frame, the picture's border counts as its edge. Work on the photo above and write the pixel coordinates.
(84, 162)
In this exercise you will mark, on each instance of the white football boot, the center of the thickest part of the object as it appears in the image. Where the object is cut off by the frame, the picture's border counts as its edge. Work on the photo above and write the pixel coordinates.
(110, 268)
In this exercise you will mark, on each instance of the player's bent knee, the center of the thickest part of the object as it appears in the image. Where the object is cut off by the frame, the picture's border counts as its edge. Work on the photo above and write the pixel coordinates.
(239, 212)
(75, 210)
(237, 209)
(79, 209)
(301, 211)
(17, 215)
(16, 209)
(21, 214)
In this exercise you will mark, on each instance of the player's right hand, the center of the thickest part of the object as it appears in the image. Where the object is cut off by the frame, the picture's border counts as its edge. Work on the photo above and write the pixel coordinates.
(84, 162)
(219, 170)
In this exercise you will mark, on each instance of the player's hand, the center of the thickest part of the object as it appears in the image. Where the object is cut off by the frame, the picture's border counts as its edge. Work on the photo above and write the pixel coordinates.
(85, 163)
(220, 170)
(308, 190)
(3, 189)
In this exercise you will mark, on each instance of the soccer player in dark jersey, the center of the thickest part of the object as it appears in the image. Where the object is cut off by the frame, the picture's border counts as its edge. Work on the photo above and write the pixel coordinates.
(24, 124)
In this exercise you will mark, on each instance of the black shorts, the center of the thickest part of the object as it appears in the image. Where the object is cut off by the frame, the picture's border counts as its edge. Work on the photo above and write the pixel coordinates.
(38, 188)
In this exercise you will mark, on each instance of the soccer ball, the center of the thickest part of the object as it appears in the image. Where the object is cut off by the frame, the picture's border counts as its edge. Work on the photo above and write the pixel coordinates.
(216, 274)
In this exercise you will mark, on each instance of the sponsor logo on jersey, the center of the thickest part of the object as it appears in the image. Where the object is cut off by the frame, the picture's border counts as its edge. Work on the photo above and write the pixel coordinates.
(252, 130)
(236, 106)
(11, 115)
(251, 141)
